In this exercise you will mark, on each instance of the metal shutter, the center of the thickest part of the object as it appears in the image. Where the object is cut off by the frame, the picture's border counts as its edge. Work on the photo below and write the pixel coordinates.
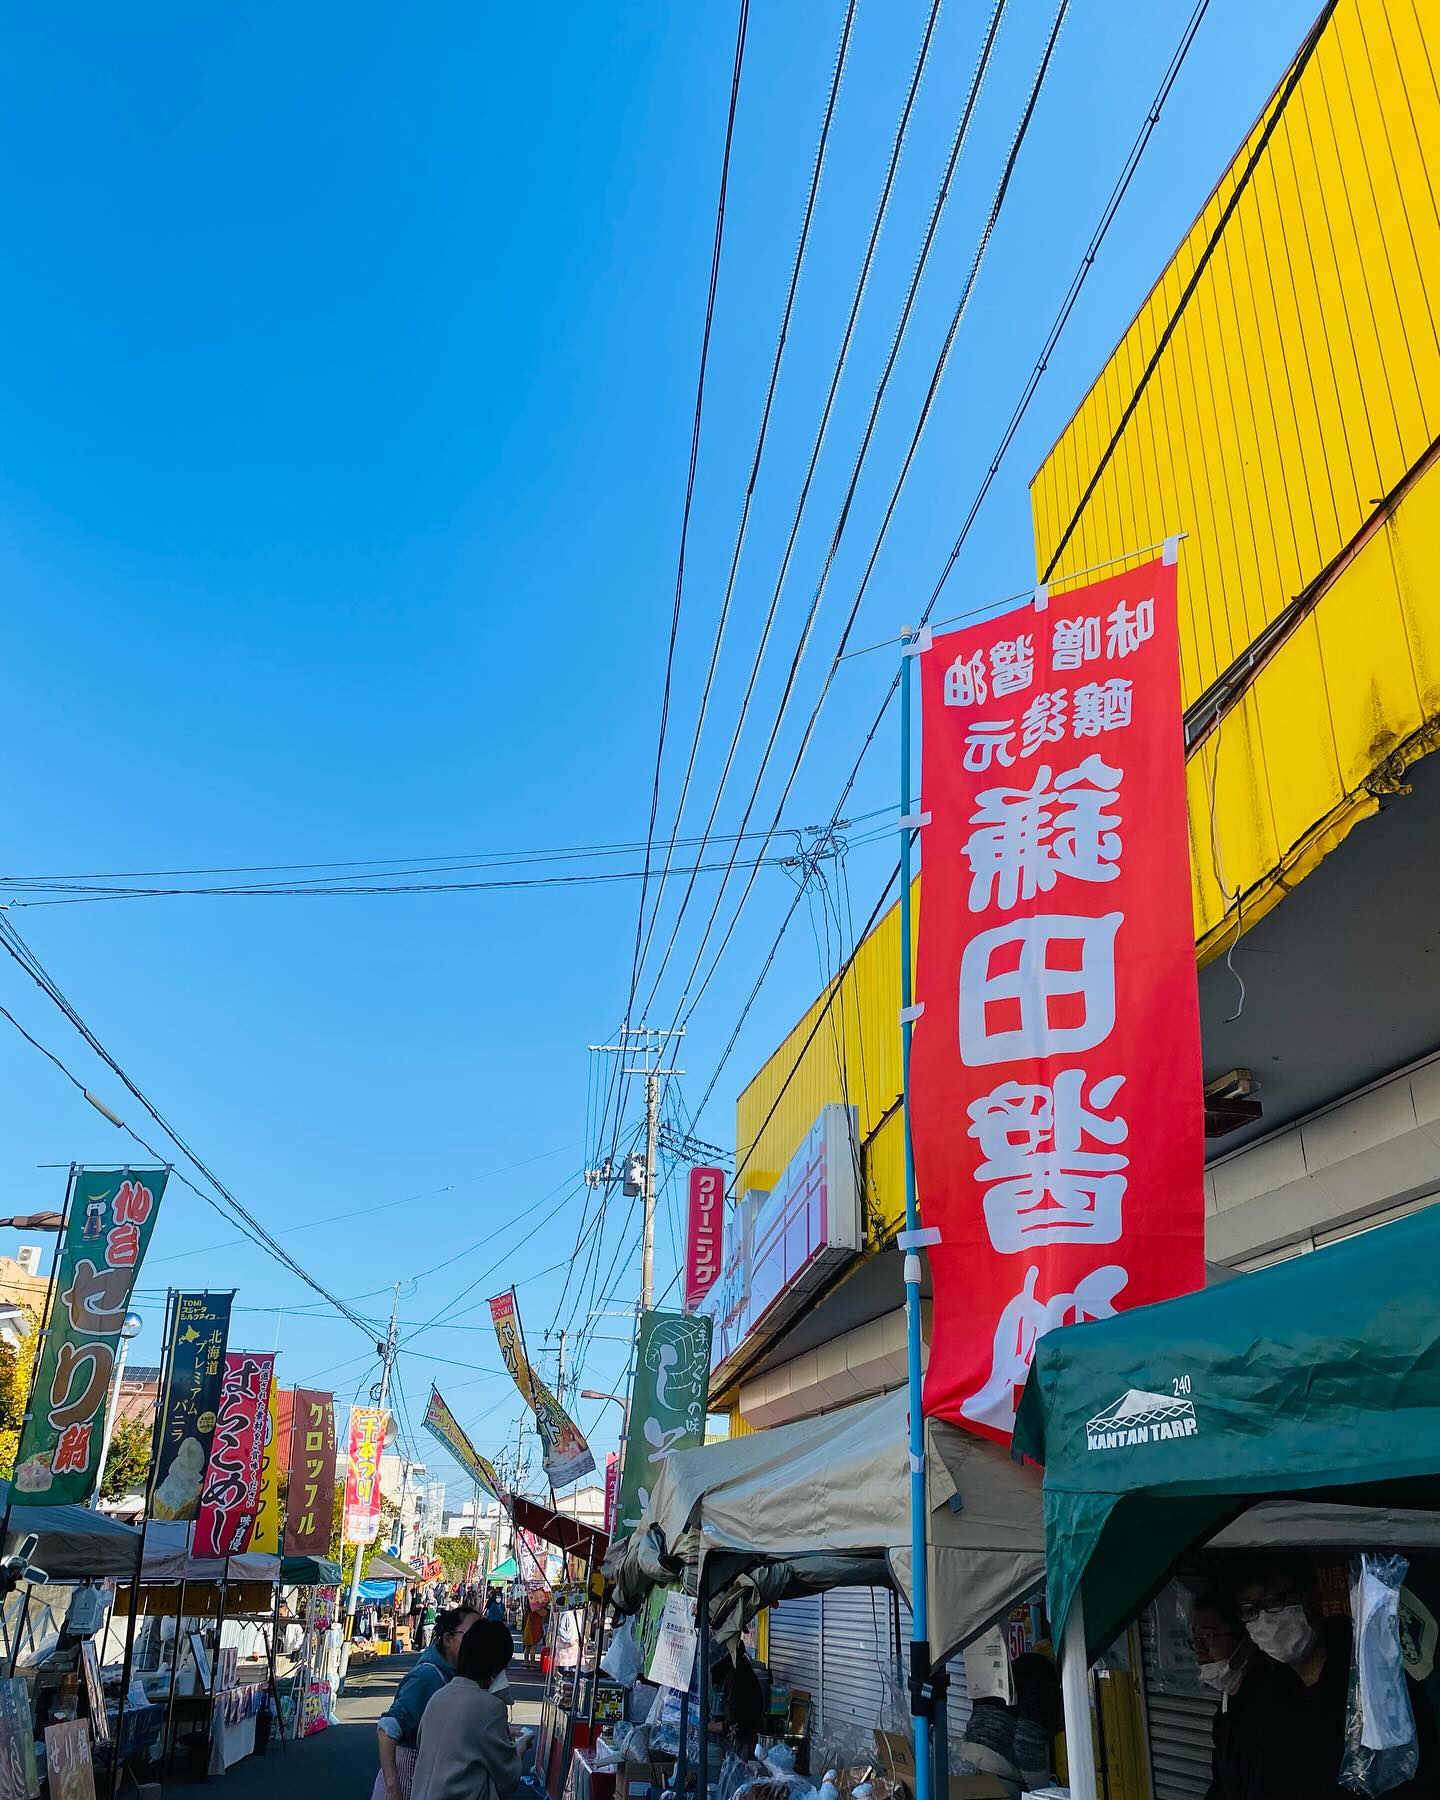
(794, 1650)
(1181, 1748)
(855, 1623)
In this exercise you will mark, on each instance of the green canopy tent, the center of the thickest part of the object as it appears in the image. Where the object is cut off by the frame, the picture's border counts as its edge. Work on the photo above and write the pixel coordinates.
(309, 1571)
(1317, 1379)
(505, 1571)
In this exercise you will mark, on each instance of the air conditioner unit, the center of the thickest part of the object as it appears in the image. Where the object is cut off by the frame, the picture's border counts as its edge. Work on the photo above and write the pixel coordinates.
(28, 1257)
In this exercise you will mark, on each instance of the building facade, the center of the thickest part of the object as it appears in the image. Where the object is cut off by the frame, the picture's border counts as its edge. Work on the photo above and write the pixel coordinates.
(1276, 400)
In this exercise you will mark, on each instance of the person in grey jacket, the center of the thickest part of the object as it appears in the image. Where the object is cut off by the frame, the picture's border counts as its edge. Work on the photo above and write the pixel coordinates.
(398, 1731)
(466, 1750)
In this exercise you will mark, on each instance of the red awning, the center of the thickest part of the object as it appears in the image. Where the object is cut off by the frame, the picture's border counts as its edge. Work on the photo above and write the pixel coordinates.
(560, 1529)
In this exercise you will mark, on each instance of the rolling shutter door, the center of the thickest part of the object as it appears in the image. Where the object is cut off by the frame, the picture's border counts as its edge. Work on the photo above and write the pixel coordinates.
(857, 1655)
(794, 1649)
(1181, 1749)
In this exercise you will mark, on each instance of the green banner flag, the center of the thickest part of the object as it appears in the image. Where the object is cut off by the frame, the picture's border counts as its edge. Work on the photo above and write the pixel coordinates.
(667, 1404)
(441, 1423)
(112, 1214)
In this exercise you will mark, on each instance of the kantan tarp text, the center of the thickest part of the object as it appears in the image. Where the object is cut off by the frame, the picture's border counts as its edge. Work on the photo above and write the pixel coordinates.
(567, 1455)
(441, 1423)
(1055, 1080)
(112, 1214)
(1317, 1378)
(667, 1406)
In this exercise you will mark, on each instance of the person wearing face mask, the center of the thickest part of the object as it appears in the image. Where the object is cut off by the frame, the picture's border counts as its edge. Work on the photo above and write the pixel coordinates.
(467, 1750)
(1279, 1605)
(1254, 1694)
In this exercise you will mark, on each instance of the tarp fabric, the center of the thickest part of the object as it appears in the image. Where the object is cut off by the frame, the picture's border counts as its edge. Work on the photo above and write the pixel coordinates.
(505, 1571)
(168, 1558)
(75, 1543)
(309, 1571)
(1318, 1377)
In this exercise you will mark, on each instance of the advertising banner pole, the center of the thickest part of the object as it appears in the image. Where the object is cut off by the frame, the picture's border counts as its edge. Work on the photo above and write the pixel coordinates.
(910, 1241)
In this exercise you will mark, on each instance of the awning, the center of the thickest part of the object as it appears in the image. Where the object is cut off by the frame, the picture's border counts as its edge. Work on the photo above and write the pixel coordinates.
(505, 1571)
(831, 1496)
(562, 1530)
(75, 1543)
(309, 1571)
(380, 1566)
(1319, 1377)
(377, 1590)
(168, 1558)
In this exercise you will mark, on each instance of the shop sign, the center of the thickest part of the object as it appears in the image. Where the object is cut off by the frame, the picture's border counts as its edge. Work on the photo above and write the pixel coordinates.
(1056, 1110)
(704, 1242)
(230, 1499)
(310, 1502)
(112, 1214)
(781, 1246)
(612, 1487)
(368, 1426)
(567, 1455)
(441, 1423)
(667, 1404)
(190, 1397)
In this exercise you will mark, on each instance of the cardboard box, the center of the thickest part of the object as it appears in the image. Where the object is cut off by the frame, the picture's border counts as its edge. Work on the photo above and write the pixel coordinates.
(895, 1756)
(633, 1778)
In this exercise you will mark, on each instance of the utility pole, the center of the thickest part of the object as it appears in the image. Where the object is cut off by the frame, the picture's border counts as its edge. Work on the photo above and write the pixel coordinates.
(650, 1046)
(381, 1394)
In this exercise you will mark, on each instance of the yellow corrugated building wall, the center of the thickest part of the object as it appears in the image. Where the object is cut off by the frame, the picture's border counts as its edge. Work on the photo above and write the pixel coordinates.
(1288, 429)
(1277, 399)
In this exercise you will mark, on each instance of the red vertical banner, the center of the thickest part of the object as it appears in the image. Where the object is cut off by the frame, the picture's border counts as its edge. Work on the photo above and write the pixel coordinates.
(230, 1496)
(1056, 1108)
(612, 1487)
(368, 1428)
(706, 1229)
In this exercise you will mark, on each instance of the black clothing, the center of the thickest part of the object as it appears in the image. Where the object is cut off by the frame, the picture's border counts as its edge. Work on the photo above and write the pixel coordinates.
(1254, 1734)
(1320, 1746)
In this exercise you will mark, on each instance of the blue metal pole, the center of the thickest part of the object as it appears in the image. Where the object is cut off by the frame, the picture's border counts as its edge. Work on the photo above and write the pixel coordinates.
(920, 1609)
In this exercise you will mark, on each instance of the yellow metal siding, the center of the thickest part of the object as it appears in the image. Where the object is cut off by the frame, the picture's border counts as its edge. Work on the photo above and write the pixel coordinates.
(855, 1058)
(1299, 389)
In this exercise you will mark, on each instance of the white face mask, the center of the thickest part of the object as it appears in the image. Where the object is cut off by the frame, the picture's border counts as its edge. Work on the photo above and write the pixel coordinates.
(1284, 1632)
(500, 1684)
(1222, 1676)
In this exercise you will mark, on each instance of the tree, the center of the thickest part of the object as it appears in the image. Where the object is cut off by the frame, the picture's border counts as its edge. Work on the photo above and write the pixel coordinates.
(455, 1555)
(128, 1464)
(16, 1361)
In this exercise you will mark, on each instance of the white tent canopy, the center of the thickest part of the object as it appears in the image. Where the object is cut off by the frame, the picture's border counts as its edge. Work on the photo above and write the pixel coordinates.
(168, 1558)
(839, 1486)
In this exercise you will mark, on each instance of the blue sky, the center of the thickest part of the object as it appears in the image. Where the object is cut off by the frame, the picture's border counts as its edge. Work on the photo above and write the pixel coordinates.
(351, 360)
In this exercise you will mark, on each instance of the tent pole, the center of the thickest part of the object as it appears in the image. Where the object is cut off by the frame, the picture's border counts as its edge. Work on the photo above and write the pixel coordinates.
(919, 1569)
(702, 1754)
(1075, 1691)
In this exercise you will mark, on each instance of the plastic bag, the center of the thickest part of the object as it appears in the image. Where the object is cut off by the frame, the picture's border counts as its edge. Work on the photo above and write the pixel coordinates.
(735, 1773)
(623, 1662)
(1380, 1744)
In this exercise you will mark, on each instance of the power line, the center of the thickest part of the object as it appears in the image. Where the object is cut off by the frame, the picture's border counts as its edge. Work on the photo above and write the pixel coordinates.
(741, 28)
(762, 435)
(21, 952)
(857, 300)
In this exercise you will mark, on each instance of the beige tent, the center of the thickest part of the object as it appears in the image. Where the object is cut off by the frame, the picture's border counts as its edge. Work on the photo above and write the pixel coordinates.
(830, 1498)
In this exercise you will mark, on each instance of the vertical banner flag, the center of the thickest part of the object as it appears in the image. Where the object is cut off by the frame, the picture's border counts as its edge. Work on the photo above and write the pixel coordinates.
(703, 1240)
(112, 1213)
(368, 1425)
(311, 1499)
(667, 1404)
(441, 1423)
(265, 1539)
(230, 1499)
(612, 1488)
(567, 1455)
(189, 1399)
(1055, 1076)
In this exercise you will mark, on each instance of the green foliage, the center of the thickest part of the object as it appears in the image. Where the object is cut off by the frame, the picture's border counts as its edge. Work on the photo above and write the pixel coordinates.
(455, 1555)
(15, 1366)
(128, 1463)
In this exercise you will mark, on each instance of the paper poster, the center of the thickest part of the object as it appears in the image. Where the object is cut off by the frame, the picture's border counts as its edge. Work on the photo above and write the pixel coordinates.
(673, 1661)
(112, 1214)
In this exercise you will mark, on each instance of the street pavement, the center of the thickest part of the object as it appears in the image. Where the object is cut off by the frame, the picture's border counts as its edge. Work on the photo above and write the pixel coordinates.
(341, 1762)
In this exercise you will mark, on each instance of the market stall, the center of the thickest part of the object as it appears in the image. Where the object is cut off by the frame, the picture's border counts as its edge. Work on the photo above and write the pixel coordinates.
(308, 1701)
(1317, 1380)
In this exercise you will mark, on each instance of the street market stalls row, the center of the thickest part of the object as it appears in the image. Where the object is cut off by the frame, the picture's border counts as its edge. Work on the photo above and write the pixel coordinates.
(824, 1502)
